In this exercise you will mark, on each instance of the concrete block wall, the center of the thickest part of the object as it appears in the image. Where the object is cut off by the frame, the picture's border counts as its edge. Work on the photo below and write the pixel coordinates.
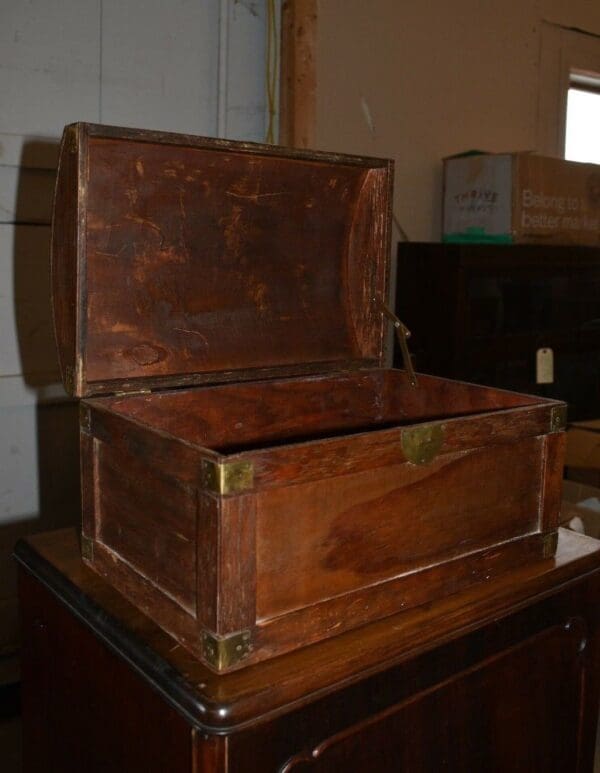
(194, 66)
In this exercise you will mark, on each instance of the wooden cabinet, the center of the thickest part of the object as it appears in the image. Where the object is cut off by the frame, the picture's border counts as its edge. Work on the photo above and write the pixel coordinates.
(500, 677)
(481, 312)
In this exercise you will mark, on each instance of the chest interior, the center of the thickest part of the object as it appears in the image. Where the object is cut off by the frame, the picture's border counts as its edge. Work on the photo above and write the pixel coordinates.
(235, 418)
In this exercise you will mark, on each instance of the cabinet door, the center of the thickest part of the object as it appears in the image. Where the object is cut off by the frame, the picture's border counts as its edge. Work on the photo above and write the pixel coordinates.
(84, 709)
(518, 694)
(517, 711)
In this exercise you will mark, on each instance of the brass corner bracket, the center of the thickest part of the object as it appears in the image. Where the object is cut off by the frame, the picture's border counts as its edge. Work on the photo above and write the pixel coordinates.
(558, 418)
(222, 652)
(87, 548)
(550, 542)
(226, 477)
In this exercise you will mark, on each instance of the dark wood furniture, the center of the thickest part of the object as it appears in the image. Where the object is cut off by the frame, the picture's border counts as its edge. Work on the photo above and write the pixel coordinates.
(480, 312)
(316, 490)
(502, 677)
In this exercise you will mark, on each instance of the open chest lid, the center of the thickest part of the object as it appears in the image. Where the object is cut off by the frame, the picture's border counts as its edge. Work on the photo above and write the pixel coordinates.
(180, 260)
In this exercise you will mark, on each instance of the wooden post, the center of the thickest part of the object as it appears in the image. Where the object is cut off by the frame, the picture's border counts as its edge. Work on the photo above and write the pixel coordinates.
(298, 73)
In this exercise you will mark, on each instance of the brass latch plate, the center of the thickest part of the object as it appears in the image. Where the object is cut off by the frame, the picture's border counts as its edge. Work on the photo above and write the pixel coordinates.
(422, 444)
(222, 652)
(226, 477)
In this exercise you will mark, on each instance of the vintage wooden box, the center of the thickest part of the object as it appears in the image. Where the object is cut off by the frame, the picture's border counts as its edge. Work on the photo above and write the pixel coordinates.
(317, 490)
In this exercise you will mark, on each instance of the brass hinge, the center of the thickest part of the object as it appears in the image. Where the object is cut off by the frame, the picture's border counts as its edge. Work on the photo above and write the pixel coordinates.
(87, 548)
(132, 394)
(403, 334)
(222, 652)
(421, 444)
(550, 543)
(226, 477)
(558, 418)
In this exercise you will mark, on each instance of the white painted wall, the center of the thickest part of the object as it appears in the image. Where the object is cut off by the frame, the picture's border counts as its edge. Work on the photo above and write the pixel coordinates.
(195, 66)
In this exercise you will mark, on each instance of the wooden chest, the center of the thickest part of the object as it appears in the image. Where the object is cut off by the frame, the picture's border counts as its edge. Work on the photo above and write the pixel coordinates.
(253, 478)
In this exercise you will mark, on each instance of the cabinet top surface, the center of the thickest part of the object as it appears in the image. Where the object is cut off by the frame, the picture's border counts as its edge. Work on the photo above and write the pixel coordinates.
(272, 687)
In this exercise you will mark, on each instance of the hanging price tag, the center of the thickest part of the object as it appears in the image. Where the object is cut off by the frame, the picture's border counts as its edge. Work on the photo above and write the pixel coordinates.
(544, 366)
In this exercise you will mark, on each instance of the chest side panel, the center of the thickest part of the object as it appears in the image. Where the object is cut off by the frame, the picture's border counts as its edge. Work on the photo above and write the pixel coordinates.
(324, 538)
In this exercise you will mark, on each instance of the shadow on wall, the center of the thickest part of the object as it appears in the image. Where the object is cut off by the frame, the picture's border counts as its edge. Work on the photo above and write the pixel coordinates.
(42, 463)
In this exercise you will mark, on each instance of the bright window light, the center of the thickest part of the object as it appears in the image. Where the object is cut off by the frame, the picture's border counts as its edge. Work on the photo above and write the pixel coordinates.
(582, 136)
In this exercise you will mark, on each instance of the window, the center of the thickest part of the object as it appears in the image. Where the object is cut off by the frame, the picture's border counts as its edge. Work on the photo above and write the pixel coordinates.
(582, 134)
(569, 63)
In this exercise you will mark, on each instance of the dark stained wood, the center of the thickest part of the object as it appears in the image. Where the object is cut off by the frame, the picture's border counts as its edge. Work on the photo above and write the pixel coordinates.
(210, 754)
(199, 257)
(236, 597)
(203, 261)
(153, 524)
(209, 516)
(153, 600)
(88, 458)
(329, 616)
(349, 536)
(170, 455)
(235, 417)
(475, 719)
(276, 421)
(554, 459)
(65, 249)
(336, 614)
(83, 708)
(501, 677)
(338, 527)
(269, 688)
(343, 456)
(479, 312)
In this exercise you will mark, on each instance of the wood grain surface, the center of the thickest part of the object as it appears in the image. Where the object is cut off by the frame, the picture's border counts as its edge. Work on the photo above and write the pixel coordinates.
(274, 688)
(464, 702)
(338, 526)
(180, 257)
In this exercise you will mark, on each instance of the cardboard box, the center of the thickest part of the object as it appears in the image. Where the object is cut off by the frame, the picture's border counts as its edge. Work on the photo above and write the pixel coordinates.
(580, 509)
(582, 458)
(583, 444)
(520, 198)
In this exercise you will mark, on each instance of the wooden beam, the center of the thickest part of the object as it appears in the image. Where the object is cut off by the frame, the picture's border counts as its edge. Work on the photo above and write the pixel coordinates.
(298, 73)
